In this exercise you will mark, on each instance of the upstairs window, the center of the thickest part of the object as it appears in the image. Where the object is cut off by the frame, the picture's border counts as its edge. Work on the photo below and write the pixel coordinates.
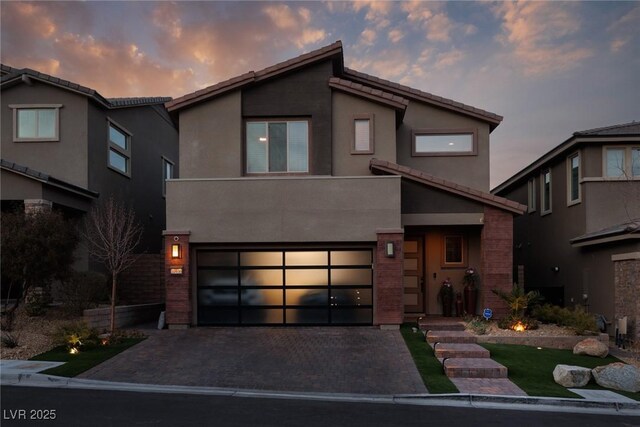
(36, 123)
(635, 162)
(615, 162)
(573, 179)
(119, 149)
(444, 143)
(622, 162)
(362, 135)
(531, 195)
(546, 192)
(167, 173)
(277, 146)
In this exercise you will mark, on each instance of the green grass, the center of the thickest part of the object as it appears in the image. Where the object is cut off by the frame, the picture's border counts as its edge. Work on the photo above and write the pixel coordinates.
(532, 369)
(85, 360)
(429, 367)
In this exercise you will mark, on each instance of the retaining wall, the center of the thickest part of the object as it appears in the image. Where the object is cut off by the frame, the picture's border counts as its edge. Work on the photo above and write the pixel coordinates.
(126, 315)
(562, 343)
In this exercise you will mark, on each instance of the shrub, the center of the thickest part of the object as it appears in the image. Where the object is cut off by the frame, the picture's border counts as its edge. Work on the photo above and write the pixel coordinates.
(8, 321)
(82, 291)
(77, 334)
(478, 326)
(35, 303)
(9, 340)
(577, 319)
(517, 300)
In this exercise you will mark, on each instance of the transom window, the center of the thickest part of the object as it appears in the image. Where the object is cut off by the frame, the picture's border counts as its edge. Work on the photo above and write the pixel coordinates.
(573, 181)
(546, 192)
(38, 123)
(362, 135)
(453, 251)
(119, 149)
(622, 162)
(444, 143)
(277, 146)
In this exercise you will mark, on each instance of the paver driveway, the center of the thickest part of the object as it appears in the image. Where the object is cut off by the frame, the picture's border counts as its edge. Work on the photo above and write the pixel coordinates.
(333, 360)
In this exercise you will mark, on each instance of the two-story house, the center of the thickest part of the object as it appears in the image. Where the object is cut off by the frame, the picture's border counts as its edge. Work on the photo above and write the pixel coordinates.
(310, 193)
(579, 242)
(66, 147)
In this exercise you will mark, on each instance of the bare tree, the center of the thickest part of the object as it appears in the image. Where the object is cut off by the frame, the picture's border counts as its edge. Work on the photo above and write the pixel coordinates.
(112, 234)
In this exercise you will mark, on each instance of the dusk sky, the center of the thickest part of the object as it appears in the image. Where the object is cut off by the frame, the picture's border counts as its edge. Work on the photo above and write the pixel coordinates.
(549, 68)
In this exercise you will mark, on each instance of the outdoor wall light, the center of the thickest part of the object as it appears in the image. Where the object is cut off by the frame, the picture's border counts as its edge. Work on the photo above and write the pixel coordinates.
(176, 251)
(555, 269)
(389, 249)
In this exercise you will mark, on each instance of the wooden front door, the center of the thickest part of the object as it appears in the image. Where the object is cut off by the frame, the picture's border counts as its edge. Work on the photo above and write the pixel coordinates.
(413, 275)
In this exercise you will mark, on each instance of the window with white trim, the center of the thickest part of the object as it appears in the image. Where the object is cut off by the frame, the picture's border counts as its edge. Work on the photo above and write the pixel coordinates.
(573, 179)
(119, 149)
(621, 162)
(546, 192)
(362, 135)
(36, 122)
(167, 173)
(531, 195)
(277, 146)
(444, 142)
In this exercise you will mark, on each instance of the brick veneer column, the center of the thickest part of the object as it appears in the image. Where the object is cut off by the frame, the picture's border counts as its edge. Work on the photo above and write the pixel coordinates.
(178, 287)
(388, 284)
(496, 259)
(627, 286)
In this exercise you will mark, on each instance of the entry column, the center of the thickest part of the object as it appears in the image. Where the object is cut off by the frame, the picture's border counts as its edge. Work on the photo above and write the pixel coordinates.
(177, 279)
(388, 286)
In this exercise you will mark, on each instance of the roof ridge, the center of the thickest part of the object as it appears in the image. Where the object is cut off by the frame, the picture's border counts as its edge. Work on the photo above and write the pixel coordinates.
(413, 92)
(622, 125)
(353, 87)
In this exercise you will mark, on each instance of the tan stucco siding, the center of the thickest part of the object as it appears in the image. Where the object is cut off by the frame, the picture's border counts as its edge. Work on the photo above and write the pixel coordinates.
(611, 203)
(65, 159)
(345, 109)
(211, 139)
(471, 170)
(17, 187)
(310, 209)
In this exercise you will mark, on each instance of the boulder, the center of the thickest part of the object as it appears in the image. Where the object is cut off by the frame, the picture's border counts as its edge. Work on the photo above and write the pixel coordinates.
(618, 376)
(571, 376)
(591, 347)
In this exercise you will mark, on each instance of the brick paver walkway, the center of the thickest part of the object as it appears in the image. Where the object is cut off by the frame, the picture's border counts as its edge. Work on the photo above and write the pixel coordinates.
(333, 360)
(495, 386)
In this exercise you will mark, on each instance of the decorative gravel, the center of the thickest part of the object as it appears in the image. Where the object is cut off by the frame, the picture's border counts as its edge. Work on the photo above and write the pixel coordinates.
(544, 330)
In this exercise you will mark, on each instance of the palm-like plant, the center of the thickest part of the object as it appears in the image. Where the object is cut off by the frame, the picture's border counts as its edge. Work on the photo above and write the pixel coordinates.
(517, 300)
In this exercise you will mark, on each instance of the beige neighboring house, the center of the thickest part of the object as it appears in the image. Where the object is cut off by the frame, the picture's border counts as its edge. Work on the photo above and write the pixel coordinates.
(579, 242)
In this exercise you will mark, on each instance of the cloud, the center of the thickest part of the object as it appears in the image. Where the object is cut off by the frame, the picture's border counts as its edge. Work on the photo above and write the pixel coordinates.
(367, 37)
(395, 35)
(439, 27)
(540, 35)
(624, 30)
(448, 59)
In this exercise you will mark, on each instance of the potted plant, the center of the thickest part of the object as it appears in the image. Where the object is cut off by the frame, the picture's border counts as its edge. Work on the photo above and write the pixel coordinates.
(470, 280)
(445, 295)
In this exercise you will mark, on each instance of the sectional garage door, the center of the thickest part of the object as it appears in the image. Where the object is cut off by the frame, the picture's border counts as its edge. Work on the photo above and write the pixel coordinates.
(292, 287)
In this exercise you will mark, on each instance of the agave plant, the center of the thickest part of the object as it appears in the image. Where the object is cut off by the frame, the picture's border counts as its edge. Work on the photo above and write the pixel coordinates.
(518, 301)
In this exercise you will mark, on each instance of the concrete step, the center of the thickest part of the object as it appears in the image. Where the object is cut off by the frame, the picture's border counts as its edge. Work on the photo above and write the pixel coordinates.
(441, 325)
(458, 337)
(474, 368)
(464, 351)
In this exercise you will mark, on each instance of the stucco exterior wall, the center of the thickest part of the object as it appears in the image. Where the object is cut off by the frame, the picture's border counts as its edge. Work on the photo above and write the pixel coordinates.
(611, 203)
(345, 109)
(471, 171)
(309, 209)
(16, 187)
(64, 159)
(211, 138)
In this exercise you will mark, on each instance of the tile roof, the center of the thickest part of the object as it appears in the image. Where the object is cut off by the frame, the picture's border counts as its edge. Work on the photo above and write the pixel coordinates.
(419, 95)
(632, 128)
(377, 95)
(14, 75)
(43, 177)
(441, 184)
(255, 76)
(627, 228)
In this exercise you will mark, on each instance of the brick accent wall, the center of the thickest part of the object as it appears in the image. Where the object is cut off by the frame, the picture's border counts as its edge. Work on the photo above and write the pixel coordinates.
(627, 287)
(32, 206)
(388, 284)
(143, 282)
(496, 259)
(178, 287)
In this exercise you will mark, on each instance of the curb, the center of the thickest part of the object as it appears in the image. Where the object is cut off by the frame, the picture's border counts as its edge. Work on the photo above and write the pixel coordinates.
(548, 404)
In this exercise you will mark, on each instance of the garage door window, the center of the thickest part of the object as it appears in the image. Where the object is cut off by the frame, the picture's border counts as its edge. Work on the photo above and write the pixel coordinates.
(285, 287)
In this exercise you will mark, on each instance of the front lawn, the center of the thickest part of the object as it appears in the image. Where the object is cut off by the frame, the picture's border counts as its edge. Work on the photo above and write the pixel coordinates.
(83, 361)
(531, 368)
(429, 367)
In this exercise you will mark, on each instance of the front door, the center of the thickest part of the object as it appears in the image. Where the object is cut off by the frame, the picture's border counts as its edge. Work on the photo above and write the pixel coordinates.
(413, 275)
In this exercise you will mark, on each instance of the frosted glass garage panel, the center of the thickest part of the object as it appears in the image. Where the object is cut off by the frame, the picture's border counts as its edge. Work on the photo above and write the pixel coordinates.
(263, 316)
(350, 258)
(217, 278)
(261, 259)
(350, 277)
(217, 259)
(261, 297)
(307, 277)
(340, 297)
(320, 258)
(261, 277)
(307, 297)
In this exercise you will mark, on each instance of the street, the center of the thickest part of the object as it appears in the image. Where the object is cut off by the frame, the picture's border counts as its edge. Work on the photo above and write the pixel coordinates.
(22, 406)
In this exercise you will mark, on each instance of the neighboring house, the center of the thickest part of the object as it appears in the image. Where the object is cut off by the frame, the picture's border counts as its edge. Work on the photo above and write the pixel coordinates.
(314, 194)
(65, 146)
(579, 243)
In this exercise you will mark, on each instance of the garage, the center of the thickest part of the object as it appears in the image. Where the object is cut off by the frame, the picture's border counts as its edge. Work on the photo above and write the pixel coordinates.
(285, 287)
